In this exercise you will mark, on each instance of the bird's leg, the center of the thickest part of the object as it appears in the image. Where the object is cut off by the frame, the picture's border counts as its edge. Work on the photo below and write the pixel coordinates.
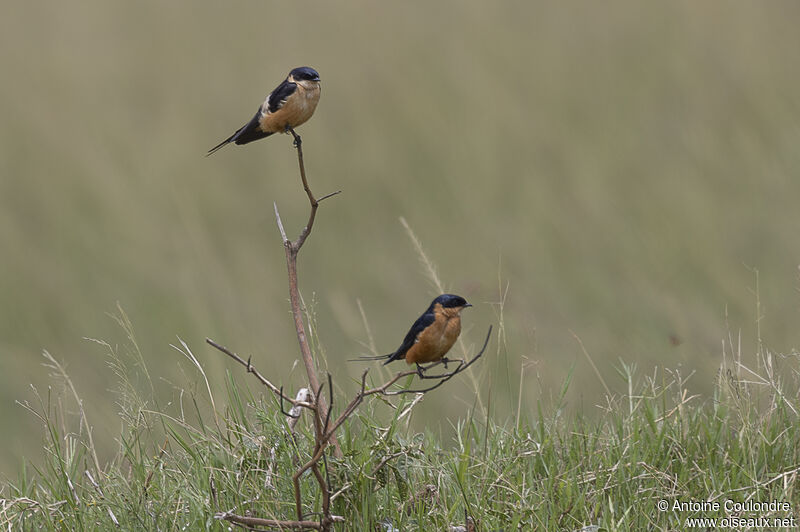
(297, 140)
(422, 370)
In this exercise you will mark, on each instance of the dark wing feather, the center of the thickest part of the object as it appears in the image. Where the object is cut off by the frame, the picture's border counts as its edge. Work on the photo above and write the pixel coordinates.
(250, 131)
(221, 144)
(247, 133)
(420, 325)
(277, 98)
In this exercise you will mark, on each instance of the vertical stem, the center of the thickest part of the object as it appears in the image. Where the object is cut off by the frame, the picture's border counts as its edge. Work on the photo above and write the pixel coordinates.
(292, 249)
(326, 496)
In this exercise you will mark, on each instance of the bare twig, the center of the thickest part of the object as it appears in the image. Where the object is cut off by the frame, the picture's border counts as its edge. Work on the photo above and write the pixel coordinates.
(330, 405)
(284, 238)
(297, 244)
(319, 449)
(251, 369)
(252, 522)
(320, 443)
(292, 248)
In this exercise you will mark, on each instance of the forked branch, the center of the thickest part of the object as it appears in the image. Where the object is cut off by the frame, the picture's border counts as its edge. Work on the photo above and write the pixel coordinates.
(324, 426)
(292, 248)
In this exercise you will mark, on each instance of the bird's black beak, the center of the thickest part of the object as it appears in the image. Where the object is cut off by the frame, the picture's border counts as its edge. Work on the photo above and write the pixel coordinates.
(468, 305)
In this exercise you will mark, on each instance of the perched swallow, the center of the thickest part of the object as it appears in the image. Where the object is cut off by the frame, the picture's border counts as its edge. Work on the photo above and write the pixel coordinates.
(433, 334)
(291, 104)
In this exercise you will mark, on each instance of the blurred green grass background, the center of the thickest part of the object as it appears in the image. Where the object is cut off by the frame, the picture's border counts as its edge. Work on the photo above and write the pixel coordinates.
(622, 168)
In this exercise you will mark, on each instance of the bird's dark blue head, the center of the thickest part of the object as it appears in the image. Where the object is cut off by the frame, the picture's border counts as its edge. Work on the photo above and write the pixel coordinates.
(304, 74)
(450, 301)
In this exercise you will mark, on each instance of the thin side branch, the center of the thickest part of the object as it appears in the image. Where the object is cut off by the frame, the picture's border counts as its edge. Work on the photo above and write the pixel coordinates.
(284, 238)
(297, 244)
(384, 388)
(251, 369)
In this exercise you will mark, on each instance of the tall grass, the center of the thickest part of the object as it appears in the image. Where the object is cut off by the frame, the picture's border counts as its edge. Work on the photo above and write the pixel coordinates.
(178, 464)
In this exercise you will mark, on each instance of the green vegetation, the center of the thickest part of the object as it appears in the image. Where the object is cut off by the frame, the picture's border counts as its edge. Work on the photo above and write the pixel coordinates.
(179, 464)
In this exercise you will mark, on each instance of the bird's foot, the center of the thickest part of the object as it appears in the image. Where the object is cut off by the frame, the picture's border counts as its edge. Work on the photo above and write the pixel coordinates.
(298, 141)
(422, 371)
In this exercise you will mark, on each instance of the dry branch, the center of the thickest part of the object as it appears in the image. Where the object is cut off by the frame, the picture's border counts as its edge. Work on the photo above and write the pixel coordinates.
(292, 248)
(311, 398)
(251, 369)
(252, 522)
